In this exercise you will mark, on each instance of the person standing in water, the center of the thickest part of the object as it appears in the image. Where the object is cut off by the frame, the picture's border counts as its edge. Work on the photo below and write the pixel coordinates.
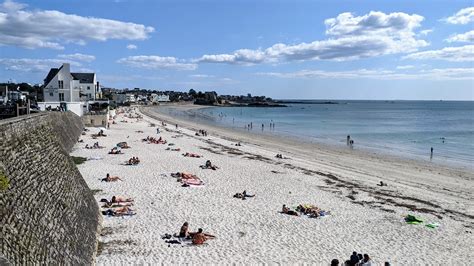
(263, 126)
(431, 156)
(348, 139)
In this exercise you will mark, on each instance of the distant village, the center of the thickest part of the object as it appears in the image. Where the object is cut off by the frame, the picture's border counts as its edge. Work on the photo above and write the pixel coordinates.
(83, 94)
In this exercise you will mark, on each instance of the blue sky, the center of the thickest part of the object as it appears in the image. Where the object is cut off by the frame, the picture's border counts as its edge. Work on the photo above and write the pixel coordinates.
(282, 49)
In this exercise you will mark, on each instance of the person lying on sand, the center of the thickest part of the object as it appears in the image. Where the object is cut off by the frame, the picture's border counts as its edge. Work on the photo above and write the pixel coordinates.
(238, 144)
(125, 211)
(194, 155)
(108, 204)
(169, 149)
(209, 165)
(243, 195)
(199, 237)
(287, 210)
(123, 145)
(109, 178)
(115, 150)
(118, 199)
(382, 184)
(184, 175)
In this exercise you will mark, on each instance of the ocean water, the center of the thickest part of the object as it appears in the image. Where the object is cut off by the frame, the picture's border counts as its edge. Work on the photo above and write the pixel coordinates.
(402, 128)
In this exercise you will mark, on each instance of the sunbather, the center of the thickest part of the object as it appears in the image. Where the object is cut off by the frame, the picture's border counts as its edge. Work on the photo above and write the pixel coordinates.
(184, 231)
(209, 165)
(286, 210)
(199, 237)
(109, 178)
(115, 150)
(118, 199)
(194, 155)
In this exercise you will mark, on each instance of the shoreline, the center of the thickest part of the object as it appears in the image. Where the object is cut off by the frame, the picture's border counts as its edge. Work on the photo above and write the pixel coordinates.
(363, 216)
(370, 153)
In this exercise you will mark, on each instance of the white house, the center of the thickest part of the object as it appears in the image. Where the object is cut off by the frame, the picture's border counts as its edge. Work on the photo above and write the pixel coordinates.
(60, 85)
(157, 98)
(74, 91)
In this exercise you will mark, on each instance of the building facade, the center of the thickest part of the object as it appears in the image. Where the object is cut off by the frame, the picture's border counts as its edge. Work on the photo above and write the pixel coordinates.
(60, 85)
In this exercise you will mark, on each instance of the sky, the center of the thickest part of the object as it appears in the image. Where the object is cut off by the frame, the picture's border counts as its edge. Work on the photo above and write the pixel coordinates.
(293, 49)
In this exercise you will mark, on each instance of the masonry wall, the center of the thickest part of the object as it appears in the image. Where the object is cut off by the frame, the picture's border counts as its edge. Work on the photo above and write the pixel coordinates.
(48, 215)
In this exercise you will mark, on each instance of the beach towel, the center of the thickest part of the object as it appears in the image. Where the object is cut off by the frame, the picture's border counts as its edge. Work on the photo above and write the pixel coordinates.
(432, 225)
(411, 219)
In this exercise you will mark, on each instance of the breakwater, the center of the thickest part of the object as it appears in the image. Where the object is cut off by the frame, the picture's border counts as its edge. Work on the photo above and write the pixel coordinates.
(48, 214)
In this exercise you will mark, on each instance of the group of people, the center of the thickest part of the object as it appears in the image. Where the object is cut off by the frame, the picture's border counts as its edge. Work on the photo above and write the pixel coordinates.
(118, 206)
(311, 210)
(133, 161)
(95, 146)
(280, 156)
(357, 259)
(349, 141)
(201, 132)
(306, 209)
(198, 238)
(153, 140)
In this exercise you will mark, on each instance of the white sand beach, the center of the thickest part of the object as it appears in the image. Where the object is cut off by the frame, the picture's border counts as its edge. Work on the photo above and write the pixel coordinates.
(364, 217)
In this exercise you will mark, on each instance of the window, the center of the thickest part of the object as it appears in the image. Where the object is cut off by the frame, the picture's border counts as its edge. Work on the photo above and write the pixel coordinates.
(61, 97)
(61, 84)
(51, 94)
(88, 87)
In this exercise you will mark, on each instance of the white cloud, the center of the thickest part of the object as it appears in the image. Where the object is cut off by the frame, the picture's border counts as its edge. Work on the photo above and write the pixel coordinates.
(463, 16)
(431, 74)
(405, 67)
(9, 6)
(373, 34)
(454, 54)
(201, 76)
(52, 29)
(78, 57)
(426, 32)
(34, 65)
(156, 62)
(464, 37)
(132, 47)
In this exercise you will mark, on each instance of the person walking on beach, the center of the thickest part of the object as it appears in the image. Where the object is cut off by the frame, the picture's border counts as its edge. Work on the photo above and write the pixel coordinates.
(176, 126)
(157, 131)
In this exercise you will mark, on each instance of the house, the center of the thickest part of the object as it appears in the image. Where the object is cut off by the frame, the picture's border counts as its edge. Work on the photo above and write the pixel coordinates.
(60, 85)
(157, 98)
(70, 91)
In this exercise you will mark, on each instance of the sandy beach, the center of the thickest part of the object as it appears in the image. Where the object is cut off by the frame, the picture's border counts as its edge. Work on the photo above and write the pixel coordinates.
(364, 217)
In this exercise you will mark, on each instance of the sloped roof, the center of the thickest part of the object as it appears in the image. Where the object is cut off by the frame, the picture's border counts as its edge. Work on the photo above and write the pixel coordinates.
(84, 77)
(52, 73)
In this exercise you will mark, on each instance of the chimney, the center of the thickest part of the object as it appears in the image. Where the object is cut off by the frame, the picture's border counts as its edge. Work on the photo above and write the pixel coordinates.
(67, 67)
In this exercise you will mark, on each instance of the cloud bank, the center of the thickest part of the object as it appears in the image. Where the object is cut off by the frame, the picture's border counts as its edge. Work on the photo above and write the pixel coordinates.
(156, 62)
(52, 29)
(351, 37)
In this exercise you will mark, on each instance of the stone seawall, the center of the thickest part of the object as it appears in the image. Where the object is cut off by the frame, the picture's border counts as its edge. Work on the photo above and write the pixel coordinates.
(48, 215)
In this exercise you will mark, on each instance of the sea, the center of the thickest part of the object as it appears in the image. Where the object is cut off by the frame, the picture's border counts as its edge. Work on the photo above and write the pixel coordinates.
(402, 128)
